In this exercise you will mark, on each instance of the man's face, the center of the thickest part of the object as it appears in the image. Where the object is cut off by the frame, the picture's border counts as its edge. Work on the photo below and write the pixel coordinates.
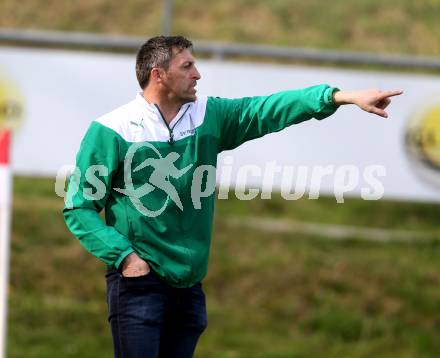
(181, 77)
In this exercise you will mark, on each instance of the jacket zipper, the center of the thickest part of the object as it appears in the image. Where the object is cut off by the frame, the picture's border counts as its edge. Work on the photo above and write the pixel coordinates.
(170, 129)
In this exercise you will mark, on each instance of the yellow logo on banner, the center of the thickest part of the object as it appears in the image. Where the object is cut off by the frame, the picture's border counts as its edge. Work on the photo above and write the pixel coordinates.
(423, 142)
(11, 105)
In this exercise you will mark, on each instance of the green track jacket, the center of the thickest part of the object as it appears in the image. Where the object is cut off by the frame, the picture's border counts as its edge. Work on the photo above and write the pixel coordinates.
(142, 172)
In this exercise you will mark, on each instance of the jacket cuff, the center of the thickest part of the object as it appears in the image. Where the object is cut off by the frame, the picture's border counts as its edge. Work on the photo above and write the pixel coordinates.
(123, 256)
(328, 97)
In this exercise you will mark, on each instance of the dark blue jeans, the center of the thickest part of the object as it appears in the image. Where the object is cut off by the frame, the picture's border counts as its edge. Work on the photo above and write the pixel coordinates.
(150, 318)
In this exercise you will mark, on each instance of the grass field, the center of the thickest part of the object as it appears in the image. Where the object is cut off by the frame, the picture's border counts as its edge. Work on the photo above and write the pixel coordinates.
(402, 26)
(268, 295)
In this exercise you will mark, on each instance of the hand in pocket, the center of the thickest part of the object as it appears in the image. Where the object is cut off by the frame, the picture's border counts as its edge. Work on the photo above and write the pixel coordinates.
(134, 266)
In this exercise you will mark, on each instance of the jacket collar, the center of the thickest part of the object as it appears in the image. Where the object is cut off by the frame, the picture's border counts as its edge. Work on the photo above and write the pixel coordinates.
(151, 112)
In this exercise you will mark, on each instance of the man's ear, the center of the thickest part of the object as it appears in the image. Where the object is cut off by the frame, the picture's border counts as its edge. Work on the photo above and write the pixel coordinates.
(156, 74)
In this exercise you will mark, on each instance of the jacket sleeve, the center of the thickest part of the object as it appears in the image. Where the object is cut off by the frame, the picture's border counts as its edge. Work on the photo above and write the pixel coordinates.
(97, 160)
(243, 119)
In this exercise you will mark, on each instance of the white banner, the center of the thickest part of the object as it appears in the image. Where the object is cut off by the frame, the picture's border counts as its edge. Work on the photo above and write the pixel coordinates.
(63, 91)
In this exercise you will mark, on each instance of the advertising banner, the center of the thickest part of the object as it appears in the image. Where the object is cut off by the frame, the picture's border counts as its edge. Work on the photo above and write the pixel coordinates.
(351, 153)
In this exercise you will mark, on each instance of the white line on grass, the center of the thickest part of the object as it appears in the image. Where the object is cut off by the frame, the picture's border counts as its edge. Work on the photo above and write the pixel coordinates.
(286, 226)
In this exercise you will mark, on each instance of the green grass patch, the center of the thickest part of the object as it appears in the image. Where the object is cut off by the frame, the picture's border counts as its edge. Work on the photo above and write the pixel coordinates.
(396, 26)
(268, 295)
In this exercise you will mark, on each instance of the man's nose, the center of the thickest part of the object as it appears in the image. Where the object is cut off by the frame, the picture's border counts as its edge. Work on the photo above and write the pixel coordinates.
(196, 74)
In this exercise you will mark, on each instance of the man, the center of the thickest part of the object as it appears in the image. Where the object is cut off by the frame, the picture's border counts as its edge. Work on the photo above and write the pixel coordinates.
(148, 154)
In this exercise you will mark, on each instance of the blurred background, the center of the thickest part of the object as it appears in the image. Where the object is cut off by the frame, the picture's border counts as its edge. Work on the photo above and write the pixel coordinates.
(287, 278)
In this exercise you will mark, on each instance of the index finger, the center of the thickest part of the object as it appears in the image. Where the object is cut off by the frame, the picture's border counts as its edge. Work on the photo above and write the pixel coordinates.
(386, 94)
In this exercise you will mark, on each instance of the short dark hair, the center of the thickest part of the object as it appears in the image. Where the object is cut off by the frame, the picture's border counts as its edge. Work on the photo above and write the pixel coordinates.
(158, 52)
